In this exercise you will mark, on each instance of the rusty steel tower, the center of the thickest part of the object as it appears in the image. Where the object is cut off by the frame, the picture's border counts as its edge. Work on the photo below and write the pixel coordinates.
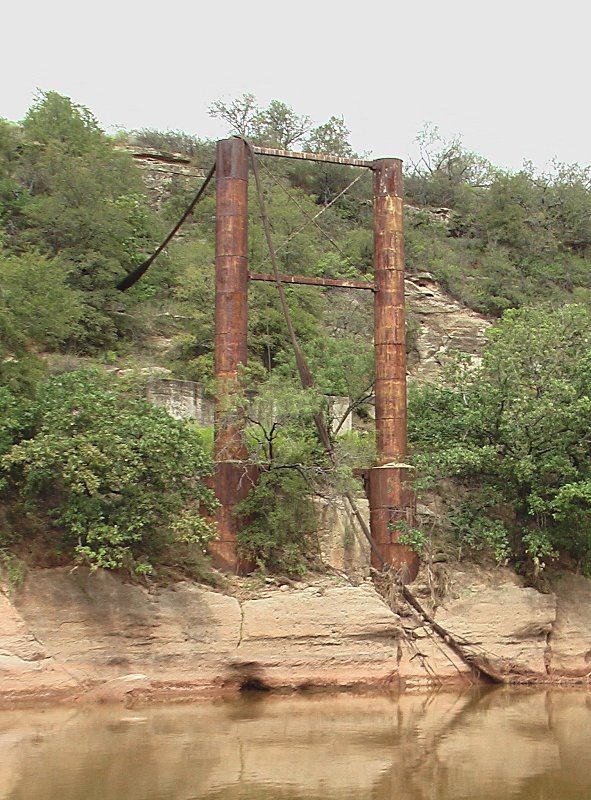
(233, 476)
(391, 500)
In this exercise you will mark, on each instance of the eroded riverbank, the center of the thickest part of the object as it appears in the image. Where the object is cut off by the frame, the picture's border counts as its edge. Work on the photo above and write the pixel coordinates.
(80, 637)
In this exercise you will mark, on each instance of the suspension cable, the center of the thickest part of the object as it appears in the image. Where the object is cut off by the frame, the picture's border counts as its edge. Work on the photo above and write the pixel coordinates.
(310, 219)
(138, 272)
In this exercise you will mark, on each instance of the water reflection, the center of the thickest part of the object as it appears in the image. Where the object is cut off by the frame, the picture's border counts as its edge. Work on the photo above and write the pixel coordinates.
(533, 745)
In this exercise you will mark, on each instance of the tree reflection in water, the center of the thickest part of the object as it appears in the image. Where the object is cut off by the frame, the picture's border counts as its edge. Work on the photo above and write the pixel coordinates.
(502, 743)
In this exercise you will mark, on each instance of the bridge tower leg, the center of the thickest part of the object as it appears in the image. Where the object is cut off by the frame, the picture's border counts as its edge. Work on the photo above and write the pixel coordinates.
(391, 499)
(233, 476)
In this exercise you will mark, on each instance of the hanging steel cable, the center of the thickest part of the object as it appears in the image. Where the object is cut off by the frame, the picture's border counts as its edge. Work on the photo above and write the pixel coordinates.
(138, 272)
(310, 219)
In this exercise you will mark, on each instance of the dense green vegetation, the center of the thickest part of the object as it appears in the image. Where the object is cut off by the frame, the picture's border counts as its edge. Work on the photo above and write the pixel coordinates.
(116, 476)
(513, 239)
(88, 459)
(514, 434)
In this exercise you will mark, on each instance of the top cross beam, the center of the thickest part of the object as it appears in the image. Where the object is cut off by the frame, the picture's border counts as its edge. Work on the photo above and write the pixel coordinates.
(327, 159)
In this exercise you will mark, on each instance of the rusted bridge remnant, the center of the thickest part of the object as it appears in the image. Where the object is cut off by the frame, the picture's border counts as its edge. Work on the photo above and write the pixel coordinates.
(233, 475)
(391, 500)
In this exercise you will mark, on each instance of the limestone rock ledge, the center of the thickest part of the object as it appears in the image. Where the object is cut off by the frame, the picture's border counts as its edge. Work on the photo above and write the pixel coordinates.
(508, 626)
(80, 636)
(570, 639)
(445, 326)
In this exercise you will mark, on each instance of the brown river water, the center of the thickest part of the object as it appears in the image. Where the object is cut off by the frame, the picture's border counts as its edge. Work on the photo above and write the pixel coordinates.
(528, 744)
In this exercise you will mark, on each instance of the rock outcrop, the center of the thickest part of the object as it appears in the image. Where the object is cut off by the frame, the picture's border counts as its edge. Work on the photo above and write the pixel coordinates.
(570, 638)
(161, 170)
(181, 399)
(111, 638)
(72, 634)
(342, 543)
(24, 660)
(444, 326)
(506, 625)
(340, 635)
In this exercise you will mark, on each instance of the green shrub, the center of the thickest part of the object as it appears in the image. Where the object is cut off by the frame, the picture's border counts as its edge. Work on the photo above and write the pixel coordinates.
(118, 476)
(279, 522)
(513, 434)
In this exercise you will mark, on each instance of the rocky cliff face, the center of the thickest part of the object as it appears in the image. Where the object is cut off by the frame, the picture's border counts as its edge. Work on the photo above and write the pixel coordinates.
(444, 326)
(91, 637)
(161, 171)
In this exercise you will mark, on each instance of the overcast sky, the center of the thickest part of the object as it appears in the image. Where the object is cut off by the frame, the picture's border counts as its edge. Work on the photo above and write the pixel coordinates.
(511, 77)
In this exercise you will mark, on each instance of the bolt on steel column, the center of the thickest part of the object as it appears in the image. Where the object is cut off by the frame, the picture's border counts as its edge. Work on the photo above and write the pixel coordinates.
(233, 477)
(391, 500)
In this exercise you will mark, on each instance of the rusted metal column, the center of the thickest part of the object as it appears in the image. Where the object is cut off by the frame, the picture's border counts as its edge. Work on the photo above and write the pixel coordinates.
(233, 477)
(391, 499)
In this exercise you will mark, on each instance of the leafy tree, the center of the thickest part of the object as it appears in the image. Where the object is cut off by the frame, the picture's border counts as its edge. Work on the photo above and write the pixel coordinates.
(194, 293)
(342, 361)
(514, 433)
(326, 181)
(240, 114)
(279, 518)
(118, 476)
(445, 172)
(54, 118)
(279, 515)
(566, 195)
(14, 423)
(278, 125)
(37, 310)
(84, 194)
(68, 192)
(279, 522)
(511, 214)
(330, 138)
(10, 195)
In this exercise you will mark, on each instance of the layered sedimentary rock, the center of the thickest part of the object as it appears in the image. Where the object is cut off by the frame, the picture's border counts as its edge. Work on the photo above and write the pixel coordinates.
(445, 326)
(507, 625)
(570, 638)
(92, 636)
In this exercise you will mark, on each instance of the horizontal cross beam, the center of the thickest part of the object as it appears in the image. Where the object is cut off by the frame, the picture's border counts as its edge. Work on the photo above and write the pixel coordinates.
(327, 159)
(308, 281)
